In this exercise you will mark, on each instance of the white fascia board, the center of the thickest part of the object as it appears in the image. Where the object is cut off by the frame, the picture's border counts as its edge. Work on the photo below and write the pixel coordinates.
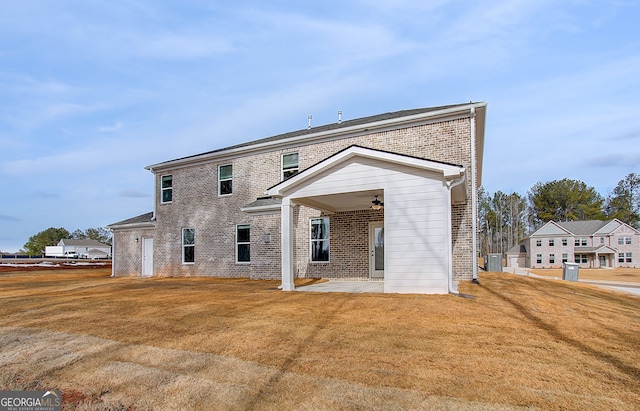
(260, 210)
(131, 226)
(457, 112)
(448, 171)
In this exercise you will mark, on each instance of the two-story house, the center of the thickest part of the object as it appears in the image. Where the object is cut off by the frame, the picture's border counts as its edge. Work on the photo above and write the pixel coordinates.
(591, 243)
(390, 197)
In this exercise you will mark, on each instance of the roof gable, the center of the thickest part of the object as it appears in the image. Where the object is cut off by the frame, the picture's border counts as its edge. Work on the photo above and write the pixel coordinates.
(448, 171)
(550, 228)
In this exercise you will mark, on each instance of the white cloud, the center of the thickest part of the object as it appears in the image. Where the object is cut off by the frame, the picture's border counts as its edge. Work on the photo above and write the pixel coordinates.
(111, 128)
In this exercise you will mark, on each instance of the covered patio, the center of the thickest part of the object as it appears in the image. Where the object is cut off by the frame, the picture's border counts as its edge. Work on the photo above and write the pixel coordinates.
(415, 197)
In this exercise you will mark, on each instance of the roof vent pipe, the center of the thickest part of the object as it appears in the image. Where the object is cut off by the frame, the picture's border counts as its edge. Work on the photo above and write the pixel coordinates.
(340, 117)
(309, 117)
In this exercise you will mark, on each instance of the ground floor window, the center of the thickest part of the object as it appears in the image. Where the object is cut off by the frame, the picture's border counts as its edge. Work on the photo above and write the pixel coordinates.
(188, 245)
(581, 258)
(622, 259)
(538, 258)
(552, 258)
(319, 239)
(243, 243)
(565, 257)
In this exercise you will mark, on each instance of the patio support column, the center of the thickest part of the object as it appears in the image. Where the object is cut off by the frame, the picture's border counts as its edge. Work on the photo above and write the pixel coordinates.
(286, 228)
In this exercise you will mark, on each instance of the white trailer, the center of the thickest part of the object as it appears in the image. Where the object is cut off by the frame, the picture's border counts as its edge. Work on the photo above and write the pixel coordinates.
(54, 251)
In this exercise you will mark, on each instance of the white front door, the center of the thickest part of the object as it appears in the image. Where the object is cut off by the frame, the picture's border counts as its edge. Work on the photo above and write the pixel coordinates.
(376, 249)
(147, 257)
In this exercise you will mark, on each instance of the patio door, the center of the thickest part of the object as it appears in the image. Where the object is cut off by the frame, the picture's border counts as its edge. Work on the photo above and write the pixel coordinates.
(147, 257)
(603, 260)
(376, 249)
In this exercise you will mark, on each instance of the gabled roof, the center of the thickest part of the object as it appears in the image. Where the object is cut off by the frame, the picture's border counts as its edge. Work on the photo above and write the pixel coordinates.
(82, 243)
(580, 228)
(550, 228)
(344, 129)
(449, 171)
(586, 227)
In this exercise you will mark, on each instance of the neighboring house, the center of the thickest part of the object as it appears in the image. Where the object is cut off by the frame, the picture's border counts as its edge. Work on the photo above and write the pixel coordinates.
(591, 243)
(390, 197)
(86, 248)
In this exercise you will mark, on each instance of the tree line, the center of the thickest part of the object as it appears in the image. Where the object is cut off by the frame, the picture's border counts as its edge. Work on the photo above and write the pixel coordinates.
(52, 236)
(504, 219)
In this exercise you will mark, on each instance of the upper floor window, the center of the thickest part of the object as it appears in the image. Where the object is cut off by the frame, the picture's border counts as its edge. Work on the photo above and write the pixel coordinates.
(289, 165)
(551, 242)
(580, 242)
(166, 189)
(538, 243)
(564, 241)
(319, 238)
(188, 245)
(601, 240)
(225, 180)
(624, 240)
(243, 243)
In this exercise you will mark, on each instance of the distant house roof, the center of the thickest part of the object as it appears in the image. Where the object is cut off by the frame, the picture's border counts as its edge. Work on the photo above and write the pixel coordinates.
(145, 220)
(82, 243)
(586, 227)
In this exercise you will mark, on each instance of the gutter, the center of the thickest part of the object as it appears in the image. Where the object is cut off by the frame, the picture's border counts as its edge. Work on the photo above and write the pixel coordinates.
(450, 185)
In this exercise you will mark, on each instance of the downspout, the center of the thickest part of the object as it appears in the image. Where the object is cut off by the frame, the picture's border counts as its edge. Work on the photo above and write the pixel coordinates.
(451, 184)
(474, 198)
(113, 252)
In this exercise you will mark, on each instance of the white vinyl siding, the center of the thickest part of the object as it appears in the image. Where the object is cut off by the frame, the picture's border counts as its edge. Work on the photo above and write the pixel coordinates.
(415, 214)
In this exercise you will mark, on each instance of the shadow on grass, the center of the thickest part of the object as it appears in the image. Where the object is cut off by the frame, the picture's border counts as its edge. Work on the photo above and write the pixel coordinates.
(270, 387)
(623, 367)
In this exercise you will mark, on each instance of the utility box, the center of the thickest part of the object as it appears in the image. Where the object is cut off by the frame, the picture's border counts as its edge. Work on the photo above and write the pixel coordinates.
(570, 271)
(493, 263)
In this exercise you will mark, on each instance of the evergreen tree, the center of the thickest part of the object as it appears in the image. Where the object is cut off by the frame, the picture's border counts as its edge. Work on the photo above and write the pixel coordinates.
(51, 236)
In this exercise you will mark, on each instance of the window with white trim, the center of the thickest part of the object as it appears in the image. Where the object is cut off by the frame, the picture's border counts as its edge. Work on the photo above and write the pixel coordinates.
(538, 243)
(319, 239)
(624, 240)
(166, 189)
(564, 241)
(565, 257)
(188, 245)
(289, 165)
(538, 258)
(225, 180)
(580, 242)
(243, 243)
(552, 258)
(622, 259)
(551, 242)
(581, 258)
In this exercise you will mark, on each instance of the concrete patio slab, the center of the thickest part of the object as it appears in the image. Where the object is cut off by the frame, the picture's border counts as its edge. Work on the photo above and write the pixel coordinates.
(345, 287)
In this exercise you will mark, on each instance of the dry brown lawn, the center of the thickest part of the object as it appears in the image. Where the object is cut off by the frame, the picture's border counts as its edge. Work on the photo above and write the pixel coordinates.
(618, 274)
(201, 343)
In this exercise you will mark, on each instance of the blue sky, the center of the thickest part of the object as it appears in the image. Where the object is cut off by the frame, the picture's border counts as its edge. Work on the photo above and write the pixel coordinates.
(93, 91)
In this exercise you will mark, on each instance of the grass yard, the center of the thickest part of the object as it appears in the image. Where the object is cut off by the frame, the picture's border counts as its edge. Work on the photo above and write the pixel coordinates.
(201, 343)
(618, 274)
